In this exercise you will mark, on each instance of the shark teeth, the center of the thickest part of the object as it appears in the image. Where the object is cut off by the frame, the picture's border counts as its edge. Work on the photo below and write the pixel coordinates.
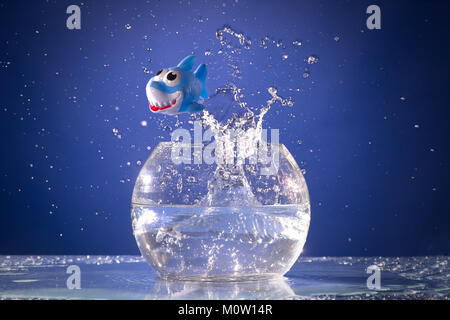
(162, 106)
(159, 100)
(163, 103)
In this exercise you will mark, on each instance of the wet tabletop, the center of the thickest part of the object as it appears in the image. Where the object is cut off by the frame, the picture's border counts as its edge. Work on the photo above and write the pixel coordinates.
(130, 277)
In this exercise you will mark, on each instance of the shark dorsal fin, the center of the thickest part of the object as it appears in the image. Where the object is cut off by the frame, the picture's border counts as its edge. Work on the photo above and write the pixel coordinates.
(187, 63)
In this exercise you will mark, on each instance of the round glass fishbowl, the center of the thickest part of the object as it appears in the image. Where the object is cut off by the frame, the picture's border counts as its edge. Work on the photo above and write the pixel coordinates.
(194, 219)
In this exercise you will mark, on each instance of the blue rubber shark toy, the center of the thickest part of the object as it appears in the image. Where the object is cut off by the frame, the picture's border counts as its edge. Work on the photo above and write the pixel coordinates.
(177, 89)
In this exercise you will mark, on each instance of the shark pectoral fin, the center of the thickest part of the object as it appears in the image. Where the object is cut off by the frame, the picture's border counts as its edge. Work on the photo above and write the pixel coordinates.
(200, 74)
(194, 107)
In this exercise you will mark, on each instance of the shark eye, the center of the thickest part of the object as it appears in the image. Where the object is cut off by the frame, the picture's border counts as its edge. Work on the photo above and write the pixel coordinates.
(172, 78)
(160, 74)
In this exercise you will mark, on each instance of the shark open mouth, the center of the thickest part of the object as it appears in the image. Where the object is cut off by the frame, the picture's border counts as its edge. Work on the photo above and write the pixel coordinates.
(156, 108)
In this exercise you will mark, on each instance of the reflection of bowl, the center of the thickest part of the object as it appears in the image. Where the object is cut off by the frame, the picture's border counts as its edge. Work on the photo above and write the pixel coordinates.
(209, 222)
(270, 289)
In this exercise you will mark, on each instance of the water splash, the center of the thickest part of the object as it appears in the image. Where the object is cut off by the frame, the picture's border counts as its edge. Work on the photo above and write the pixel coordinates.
(243, 40)
(241, 136)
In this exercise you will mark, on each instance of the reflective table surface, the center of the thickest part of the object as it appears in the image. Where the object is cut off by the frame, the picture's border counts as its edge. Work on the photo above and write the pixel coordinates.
(130, 277)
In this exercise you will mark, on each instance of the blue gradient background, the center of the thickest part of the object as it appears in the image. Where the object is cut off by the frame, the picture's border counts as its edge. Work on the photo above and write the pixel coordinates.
(375, 185)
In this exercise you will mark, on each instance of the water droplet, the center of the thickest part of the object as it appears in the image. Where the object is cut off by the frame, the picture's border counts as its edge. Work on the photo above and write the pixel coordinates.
(272, 90)
(312, 60)
(190, 179)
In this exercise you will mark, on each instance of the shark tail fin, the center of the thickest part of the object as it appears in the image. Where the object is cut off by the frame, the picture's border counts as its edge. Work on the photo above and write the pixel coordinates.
(200, 74)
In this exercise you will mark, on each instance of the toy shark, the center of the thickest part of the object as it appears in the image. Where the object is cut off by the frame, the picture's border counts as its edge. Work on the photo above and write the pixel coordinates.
(177, 89)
